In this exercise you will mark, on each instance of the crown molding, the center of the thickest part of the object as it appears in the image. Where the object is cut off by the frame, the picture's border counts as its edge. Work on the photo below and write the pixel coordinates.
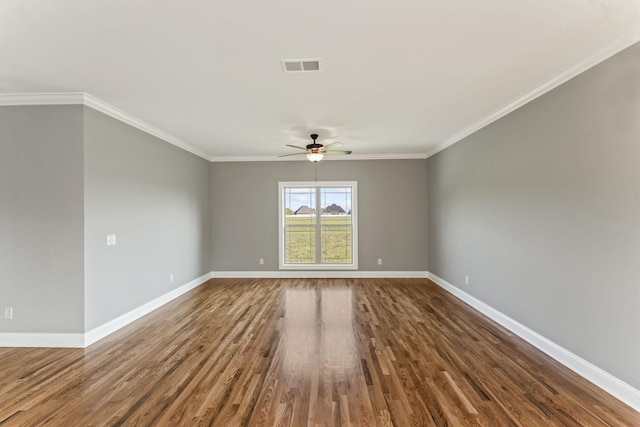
(116, 113)
(81, 98)
(624, 41)
(301, 158)
(50, 98)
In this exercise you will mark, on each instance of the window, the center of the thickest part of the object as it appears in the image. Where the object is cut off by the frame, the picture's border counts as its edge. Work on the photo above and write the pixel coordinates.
(318, 225)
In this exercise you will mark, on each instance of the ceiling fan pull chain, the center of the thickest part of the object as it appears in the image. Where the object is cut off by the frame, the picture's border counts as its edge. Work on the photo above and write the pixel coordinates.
(316, 169)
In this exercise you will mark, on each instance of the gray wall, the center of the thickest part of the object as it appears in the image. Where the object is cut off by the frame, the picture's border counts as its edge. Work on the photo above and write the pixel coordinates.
(155, 198)
(392, 204)
(542, 210)
(41, 197)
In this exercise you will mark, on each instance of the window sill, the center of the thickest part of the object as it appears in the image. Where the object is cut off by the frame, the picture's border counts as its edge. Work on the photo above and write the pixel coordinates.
(319, 267)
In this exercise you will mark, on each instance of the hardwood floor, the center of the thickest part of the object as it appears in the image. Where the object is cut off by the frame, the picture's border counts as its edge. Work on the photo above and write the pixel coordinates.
(303, 352)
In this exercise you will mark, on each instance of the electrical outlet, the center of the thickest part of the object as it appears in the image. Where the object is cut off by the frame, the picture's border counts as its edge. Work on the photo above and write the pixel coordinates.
(379, 261)
(111, 239)
(171, 278)
(261, 261)
(466, 279)
(8, 313)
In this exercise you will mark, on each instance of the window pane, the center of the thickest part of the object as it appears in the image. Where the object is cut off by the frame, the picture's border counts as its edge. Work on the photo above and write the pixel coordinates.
(336, 225)
(300, 244)
(336, 244)
(335, 203)
(299, 206)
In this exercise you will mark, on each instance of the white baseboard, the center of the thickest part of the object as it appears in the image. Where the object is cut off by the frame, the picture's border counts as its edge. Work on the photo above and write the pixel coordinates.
(10, 339)
(111, 326)
(307, 274)
(27, 339)
(599, 377)
(17, 339)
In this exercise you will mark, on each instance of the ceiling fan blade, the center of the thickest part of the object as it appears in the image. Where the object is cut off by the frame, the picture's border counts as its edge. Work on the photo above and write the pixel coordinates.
(333, 143)
(295, 146)
(338, 152)
(294, 154)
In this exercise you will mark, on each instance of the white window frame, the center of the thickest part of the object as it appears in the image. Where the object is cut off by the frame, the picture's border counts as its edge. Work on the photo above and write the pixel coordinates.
(354, 224)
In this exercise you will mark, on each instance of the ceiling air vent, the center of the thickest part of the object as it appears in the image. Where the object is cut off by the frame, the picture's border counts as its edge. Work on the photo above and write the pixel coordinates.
(307, 65)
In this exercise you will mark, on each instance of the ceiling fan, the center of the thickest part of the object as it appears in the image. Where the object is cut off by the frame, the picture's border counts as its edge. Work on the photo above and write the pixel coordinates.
(315, 151)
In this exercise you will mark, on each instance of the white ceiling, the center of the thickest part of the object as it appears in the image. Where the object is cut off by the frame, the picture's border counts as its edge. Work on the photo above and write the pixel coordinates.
(399, 77)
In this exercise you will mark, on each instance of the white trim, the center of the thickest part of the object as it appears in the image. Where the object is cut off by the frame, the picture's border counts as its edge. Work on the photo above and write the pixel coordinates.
(627, 39)
(65, 98)
(594, 374)
(51, 98)
(396, 156)
(297, 274)
(318, 226)
(110, 110)
(111, 326)
(17, 339)
(80, 98)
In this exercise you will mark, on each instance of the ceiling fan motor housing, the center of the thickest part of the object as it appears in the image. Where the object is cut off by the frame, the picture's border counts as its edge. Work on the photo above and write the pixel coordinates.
(314, 147)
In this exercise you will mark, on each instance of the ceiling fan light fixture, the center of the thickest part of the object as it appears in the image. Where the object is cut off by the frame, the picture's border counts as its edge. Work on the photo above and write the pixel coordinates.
(315, 157)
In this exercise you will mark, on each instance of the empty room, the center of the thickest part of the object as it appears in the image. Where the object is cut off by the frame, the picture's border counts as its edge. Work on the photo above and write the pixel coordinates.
(330, 213)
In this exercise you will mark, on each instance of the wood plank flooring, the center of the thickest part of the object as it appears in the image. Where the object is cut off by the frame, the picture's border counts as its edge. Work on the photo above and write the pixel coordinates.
(303, 352)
